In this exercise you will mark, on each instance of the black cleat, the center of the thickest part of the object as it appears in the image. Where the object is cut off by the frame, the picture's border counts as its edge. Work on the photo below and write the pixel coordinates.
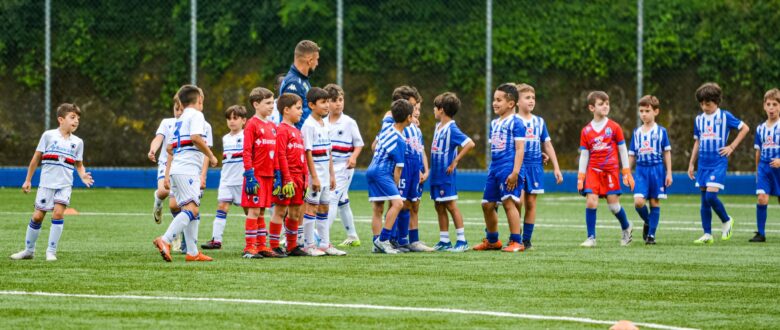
(211, 245)
(297, 252)
(527, 244)
(280, 252)
(758, 238)
(645, 231)
(650, 240)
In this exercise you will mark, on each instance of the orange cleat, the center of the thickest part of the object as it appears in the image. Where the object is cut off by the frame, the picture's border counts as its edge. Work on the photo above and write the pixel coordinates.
(199, 257)
(514, 247)
(165, 248)
(486, 246)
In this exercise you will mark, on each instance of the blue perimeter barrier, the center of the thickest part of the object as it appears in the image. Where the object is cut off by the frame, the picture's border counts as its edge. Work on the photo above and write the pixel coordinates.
(467, 180)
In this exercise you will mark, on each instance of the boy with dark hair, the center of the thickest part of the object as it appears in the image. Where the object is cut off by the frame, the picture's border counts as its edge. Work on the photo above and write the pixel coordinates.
(711, 135)
(767, 161)
(601, 144)
(651, 151)
(162, 137)
(59, 152)
(447, 138)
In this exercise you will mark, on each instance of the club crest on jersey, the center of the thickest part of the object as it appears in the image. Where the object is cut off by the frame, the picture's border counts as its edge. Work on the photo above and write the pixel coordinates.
(717, 121)
(608, 132)
(654, 137)
(239, 140)
(271, 154)
(646, 143)
(273, 130)
(73, 146)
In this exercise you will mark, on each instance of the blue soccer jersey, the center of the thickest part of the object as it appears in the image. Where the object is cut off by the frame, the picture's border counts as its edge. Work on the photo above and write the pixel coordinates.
(712, 132)
(768, 142)
(414, 146)
(297, 83)
(446, 140)
(388, 155)
(649, 147)
(504, 133)
(535, 134)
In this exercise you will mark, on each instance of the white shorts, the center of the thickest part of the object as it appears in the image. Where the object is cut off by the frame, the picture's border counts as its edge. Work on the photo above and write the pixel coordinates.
(160, 171)
(186, 189)
(47, 197)
(343, 181)
(230, 194)
(321, 197)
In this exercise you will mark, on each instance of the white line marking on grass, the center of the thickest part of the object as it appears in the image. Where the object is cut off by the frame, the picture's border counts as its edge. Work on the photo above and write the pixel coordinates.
(347, 306)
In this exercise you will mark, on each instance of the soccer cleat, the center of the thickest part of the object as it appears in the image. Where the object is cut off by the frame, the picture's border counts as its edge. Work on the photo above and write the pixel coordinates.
(487, 246)
(280, 252)
(590, 242)
(51, 256)
(313, 251)
(199, 257)
(514, 247)
(211, 245)
(460, 246)
(528, 245)
(384, 247)
(176, 244)
(350, 242)
(704, 239)
(157, 212)
(419, 246)
(650, 240)
(164, 248)
(251, 254)
(645, 231)
(333, 251)
(401, 248)
(627, 237)
(442, 246)
(266, 252)
(23, 254)
(756, 239)
(727, 229)
(297, 252)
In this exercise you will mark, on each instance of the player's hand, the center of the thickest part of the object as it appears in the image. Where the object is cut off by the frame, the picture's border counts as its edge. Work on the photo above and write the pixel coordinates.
(288, 190)
(213, 161)
(452, 167)
(26, 187)
(668, 181)
(250, 182)
(277, 182)
(691, 172)
(351, 163)
(167, 183)
(545, 159)
(423, 177)
(202, 182)
(558, 177)
(580, 182)
(511, 181)
(151, 156)
(87, 179)
(315, 184)
(628, 179)
(726, 151)
(332, 183)
(775, 163)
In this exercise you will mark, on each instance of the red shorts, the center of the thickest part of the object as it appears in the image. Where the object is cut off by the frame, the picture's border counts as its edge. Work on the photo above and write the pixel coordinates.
(601, 183)
(264, 195)
(298, 182)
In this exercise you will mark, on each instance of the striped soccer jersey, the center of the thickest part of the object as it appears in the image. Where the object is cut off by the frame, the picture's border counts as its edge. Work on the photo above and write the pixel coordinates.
(59, 156)
(768, 142)
(536, 134)
(166, 128)
(316, 138)
(649, 147)
(446, 140)
(388, 155)
(712, 132)
(344, 138)
(188, 160)
(232, 160)
(504, 133)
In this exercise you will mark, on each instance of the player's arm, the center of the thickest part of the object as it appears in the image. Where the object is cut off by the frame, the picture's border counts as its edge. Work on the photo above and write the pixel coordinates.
(281, 152)
(357, 141)
(167, 179)
(36, 158)
(85, 176)
(729, 149)
(692, 163)
(549, 150)
(203, 171)
(397, 174)
(353, 159)
(426, 168)
(668, 164)
(511, 180)
(582, 168)
(201, 144)
(332, 173)
(628, 179)
(463, 151)
(154, 146)
(315, 181)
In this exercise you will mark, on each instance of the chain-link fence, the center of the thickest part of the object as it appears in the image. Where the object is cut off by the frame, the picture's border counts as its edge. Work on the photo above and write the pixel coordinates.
(121, 61)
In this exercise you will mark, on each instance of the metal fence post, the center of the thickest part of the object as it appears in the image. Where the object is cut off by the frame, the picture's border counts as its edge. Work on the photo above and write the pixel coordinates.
(640, 13)
(488, 74)
(193, 42)
(47, 66)
(340, 43)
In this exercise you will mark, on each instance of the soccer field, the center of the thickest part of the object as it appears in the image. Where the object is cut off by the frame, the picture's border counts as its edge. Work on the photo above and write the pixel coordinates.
(109, 275)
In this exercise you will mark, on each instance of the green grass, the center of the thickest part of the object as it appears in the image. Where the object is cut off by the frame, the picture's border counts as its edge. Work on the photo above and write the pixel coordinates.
(107, 251)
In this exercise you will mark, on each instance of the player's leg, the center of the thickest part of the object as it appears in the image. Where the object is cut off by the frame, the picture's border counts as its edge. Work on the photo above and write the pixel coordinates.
(348, 220)
(706, 219)
(654, 218)
(415, 245)
(529, 221)
(490, 196)
(761, 214)
(323, 226)
(400, 233)
(159, 196)
(191, 233)
(218, 227)
(55, 232)
(591, 208)
(644, 214)
(181, 219)
(461, 244)
(444, 231)
(33, 231)
(613, 201)
(513, 218)
(383, 242)
(720, 210)
(292, 222)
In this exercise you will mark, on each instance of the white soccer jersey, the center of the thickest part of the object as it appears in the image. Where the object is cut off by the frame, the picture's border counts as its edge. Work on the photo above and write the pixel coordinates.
(188, 160)
(59, 156)
(344, 138)
(316, 138)
(167, 126)
(232, 160)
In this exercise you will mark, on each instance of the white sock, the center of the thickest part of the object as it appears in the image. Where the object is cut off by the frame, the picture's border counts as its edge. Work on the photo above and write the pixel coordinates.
(219, 226)
(333, 210)
(444, 236)
(323, 229)
(157, 200)
(461, 234)
(308, 229)
(177, 225)
(33, 230)
(345, 212)
(54, 234)
(191, 232)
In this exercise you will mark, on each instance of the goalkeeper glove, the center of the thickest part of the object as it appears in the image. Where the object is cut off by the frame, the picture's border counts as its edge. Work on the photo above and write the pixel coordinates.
(251, 186)
(288, 190)
(580, 182)
(277, 182)
(628, 179)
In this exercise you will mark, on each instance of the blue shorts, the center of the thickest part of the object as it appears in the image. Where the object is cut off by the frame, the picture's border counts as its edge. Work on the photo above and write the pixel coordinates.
(650, 181)
(532, 179)
(444, 192)
(409, 187)
(381, 188)
(711, 177)
(768, 180)
(495, 189)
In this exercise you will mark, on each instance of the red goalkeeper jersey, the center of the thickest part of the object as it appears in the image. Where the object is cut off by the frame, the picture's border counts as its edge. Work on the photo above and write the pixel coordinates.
(290, 151)
(260, 147)
(602, 145)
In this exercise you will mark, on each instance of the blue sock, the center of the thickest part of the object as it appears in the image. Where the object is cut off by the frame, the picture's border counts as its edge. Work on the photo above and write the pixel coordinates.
(643, 213)
(414, 235)
(528, 230)
(375, 237)
(706, 214)
(655, 215)
(590, 221)
(492, 237)
(385, 235)
(717, 206)
(761, 218)
(621, 216)
(403, 227)
(394, 230)
(517, 238)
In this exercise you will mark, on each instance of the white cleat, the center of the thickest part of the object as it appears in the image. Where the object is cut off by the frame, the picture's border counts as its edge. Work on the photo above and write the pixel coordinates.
(384, 247)
(590, 242)
(419, 246)
(704, 239)
(24, 254)
(51, 256)
(176, 244)
(313, 251)
(333, 251)
(726, 229)
(627, 237)
(157, 212)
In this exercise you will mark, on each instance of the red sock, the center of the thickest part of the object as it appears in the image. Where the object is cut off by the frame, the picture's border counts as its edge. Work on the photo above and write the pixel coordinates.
(291, 234)
(274, 231)
(251, 234)
(262, 233)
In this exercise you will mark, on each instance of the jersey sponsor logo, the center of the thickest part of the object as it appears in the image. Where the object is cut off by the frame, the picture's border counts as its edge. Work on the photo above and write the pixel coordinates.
(599, 144)
(708, 134)
(646, 148)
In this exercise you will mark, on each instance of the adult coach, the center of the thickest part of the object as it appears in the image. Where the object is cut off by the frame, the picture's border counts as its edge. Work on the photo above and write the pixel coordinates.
(307, 55)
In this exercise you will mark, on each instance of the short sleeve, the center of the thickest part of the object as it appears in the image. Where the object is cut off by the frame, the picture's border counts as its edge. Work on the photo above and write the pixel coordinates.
(308, 136)
(583, 140)
(42, 143)
(80, 151)
(198, 124)
(619, 138)
(665, 143)
(757, 141)
(518, 130)
(398, 153)
(208, 134)
(457, 138)
(545, 136)
(357, 140)
(632, 145)
(733, 122)
(162, 130)
(696, 129)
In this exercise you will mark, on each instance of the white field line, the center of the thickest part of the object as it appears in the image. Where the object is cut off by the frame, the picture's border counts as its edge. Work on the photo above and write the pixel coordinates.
(344, 306)
(472, 221)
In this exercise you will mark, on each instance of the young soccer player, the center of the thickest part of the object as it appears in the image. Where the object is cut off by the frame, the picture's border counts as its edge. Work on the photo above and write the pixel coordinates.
(322, 179)
(184, 171)
(507, 149)
(162, 137)
(601, 143)
(259, 164)
(537, 139)
(231, 180)
(347, 144)
(59, 152)
(711, 148)
(384, 175)
(767, 160)
(447, 138)
(293, 169)
(651, 151)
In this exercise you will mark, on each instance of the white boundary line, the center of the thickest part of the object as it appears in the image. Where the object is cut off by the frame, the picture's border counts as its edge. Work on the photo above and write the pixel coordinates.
(346, 306)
